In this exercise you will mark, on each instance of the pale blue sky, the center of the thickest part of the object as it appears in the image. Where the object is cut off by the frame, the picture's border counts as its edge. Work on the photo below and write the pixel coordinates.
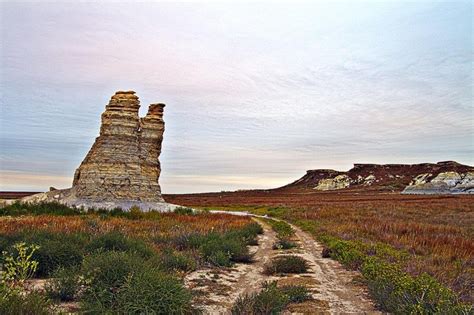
(256, 94)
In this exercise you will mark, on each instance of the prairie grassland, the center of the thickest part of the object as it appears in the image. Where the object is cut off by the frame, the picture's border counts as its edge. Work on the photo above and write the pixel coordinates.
(421, 234)
(112, 262)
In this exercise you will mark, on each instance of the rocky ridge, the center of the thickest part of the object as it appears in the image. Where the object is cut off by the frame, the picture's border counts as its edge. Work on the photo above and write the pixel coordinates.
(447, 177)
(122, 168)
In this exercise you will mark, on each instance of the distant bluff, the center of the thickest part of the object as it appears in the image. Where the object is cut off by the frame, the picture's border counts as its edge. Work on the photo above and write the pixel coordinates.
(122, 168)
(447, 177)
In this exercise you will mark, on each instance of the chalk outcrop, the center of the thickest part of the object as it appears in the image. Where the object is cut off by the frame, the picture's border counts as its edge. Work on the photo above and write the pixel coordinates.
(122, 168)
(338, 182)
(443, 183)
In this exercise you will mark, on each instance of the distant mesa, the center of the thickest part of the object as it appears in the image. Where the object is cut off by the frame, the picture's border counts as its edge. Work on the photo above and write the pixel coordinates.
(122, 168)
(447, 177)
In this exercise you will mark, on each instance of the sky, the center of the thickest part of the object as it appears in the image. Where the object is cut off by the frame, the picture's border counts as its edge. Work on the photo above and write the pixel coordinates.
(256, 92)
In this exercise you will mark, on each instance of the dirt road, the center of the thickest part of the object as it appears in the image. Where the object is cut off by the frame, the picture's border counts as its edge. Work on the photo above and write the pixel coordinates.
(332, 287)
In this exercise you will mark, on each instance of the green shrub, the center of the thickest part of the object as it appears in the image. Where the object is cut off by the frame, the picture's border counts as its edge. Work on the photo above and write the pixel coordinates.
(104, 273)
(270, 300)
(183, 211)
(32, 303)
(219, 249)
(184, 240)
(7, 241)
(350, 253)
(64, 285)
(283, 229)
(215, 247)
(398, 292)
(115, 241)
(284, 244)
(248, 234)
(135, 213)
(55, 250)
(296, 293)
(19, 265)
(219, 259)
(54, 208)
(286, 264)
(177, 261)
(152, 292)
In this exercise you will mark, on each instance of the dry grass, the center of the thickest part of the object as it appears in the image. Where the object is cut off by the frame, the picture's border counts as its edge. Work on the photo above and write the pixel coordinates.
(167, 224)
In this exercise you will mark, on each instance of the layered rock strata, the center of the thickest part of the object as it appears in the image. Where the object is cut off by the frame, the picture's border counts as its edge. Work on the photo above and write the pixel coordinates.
(446, 177)
(122, 168)
(443, 183)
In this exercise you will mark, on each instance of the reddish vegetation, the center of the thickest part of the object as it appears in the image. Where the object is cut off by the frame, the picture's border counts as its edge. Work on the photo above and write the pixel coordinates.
(436, 230)
(164, 224)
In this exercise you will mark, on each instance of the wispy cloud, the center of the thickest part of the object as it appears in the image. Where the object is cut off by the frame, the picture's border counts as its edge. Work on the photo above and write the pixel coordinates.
(256, 93)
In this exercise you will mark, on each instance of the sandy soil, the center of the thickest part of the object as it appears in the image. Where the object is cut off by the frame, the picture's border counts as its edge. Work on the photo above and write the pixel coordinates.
(332, 287)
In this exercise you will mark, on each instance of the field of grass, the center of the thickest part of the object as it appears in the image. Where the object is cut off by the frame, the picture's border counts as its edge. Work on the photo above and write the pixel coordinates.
(112, 262)
(400, 243)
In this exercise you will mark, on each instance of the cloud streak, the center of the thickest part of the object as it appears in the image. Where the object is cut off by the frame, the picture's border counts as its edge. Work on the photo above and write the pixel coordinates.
(256, 93)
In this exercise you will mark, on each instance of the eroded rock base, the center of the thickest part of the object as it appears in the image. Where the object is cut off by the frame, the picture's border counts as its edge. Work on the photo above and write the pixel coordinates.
(69, 198)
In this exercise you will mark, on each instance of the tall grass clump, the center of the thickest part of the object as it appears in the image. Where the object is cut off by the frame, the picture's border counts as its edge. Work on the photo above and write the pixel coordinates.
(171, 260)
(123, 283)
(64, 284)
(115, 241)
(152, 292)
(183, 211)
(223, 249)
(27, 303)
(286, 264)
(105, 273)
(270, 300)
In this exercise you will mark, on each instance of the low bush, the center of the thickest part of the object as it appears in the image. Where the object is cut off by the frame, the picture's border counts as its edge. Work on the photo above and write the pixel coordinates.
(55, 253)
(177, 261)
(115, 241)
(284, 244)
(32, 303)
(222, 250)
(296, 293)
(283, 229)
(55, 249)
(400, 293)
(64, 284)
(248, 234)
(349, 253)
(183, 211)
(152, 292)
(286, 264)
(270, 300)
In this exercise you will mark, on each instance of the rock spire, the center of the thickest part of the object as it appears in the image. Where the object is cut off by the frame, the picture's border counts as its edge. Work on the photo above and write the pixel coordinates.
(122, 168)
